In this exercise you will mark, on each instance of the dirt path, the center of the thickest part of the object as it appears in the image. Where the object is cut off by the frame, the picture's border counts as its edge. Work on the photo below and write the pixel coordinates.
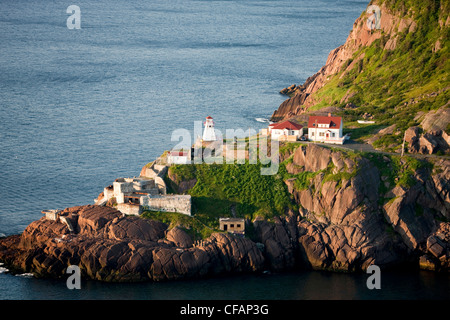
(365, 147)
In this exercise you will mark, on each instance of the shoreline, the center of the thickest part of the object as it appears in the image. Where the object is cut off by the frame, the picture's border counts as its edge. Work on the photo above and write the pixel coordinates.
(113, 247)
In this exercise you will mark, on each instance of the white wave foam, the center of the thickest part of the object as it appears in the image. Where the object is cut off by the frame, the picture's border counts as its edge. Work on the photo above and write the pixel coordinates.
(25, 275)
(262, 119)
(3, 270)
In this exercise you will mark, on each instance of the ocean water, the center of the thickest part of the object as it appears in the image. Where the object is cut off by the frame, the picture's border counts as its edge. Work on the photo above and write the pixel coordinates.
(80, 108)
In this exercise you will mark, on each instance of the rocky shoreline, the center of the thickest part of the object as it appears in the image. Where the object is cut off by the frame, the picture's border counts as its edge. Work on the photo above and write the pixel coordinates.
(343, 224)
(351, 210)
(109, 246)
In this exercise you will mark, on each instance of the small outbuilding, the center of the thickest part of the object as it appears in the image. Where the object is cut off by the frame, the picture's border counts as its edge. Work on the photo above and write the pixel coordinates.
(233, 225)
(179, 157)
(51, 214)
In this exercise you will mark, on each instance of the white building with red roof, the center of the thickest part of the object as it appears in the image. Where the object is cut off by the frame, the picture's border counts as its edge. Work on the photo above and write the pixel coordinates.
(179, 157)
(326, 129)
(285, 131)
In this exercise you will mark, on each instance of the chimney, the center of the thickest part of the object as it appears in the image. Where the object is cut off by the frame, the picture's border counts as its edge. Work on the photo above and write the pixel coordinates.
(329, 114)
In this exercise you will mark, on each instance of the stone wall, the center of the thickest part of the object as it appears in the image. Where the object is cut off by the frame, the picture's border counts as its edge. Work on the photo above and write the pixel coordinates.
(156, 172)
(108, 193)
(168, 203)
(126, 186)
(129, 209)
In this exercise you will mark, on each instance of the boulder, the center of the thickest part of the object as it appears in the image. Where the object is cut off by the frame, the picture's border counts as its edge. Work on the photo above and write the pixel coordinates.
(434, 138)
(313, 158)
(108, 246)
(179, 237)
(134, 228)
(437, 255)
(427, 263)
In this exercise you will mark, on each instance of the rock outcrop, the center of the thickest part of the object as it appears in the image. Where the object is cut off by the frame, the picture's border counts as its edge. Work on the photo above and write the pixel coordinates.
(302, 96)
(430, 137)
(108, 246)
(353, 221)
(349, 215)
(437, 256)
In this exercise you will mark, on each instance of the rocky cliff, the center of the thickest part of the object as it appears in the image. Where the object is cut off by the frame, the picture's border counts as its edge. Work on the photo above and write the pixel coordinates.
(353, 211)
(395, 75)
(108, 246)
(302, 96)
(348, 210)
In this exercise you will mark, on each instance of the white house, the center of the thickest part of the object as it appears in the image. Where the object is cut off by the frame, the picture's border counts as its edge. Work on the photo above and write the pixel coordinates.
(285, 131)
(325, 129)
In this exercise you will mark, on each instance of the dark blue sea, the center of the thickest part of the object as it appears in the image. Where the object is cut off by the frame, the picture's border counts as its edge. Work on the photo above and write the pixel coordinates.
(82, 107)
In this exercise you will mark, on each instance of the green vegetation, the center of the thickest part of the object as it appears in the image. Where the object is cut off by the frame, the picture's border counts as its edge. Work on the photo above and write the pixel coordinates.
(195, 228)
(360, 131)
(239, 189)
(385, 82)
(288, 147)
(397, 171)
(304, 179)
(389, 143)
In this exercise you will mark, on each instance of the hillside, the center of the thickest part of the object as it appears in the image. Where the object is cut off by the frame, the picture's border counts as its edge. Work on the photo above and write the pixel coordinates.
(396, 76)
(326, 209)
(329, 208)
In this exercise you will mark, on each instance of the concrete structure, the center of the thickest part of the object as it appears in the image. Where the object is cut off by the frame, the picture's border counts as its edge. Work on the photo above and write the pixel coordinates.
(55, 215)
(167, 203)
(134, 195)
(129, 190)
(232, 225)
(285, 131)
(51, 214)
(209, 133)
(179, 157)
(326, 129)
(129, 209)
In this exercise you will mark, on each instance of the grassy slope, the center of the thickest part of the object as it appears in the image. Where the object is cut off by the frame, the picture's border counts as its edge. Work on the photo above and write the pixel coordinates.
(222, 189)
(226, 189)
(386, 80)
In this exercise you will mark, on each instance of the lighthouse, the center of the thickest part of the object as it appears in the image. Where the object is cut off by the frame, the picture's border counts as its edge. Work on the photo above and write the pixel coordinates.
(208, 132)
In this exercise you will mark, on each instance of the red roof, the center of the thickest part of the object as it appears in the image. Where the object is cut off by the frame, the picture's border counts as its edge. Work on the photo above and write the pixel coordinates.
(208, 117)
(333, 122)
(178, 153)
(286, 125)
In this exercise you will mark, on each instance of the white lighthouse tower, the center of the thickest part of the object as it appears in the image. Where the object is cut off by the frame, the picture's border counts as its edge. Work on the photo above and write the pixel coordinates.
(208, 132)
